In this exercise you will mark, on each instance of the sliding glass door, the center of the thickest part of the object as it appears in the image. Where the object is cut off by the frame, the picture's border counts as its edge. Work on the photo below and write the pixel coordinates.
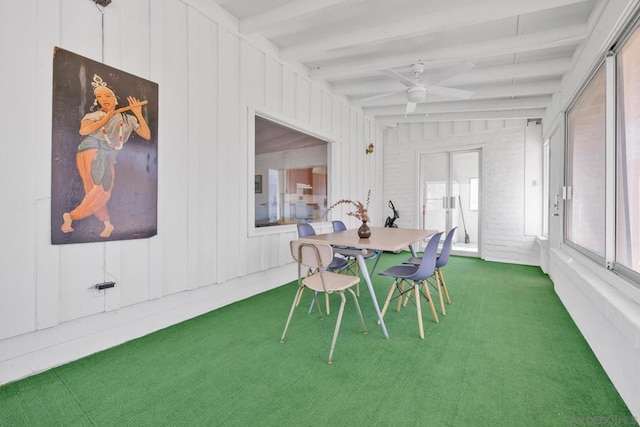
(450, 196)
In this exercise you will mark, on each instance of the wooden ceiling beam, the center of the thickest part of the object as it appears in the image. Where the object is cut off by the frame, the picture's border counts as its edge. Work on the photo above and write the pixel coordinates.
(477, 76)
(533, 113)
(557, 37)
(278, 16)
(456, 106)
(433, 22)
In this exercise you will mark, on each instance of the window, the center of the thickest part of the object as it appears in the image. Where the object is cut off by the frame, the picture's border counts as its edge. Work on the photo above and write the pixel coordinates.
(585, 190)
(291, 168)
(628, 154)
(603, 135)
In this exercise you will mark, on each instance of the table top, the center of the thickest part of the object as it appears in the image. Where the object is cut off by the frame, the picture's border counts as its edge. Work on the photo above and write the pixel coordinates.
(386, 239)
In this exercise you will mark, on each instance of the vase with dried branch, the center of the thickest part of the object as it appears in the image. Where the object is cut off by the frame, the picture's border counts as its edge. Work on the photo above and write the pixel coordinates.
(361, 212)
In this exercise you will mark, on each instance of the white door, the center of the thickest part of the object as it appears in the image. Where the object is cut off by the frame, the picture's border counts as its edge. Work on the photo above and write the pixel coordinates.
(450, 196)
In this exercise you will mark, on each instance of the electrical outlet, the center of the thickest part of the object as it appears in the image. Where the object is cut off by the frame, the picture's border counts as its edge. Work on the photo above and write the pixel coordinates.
(105, 285)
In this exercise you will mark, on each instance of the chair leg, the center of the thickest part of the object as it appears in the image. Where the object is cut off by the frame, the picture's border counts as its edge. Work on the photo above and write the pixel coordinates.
(299, 297)
(337, 329)
(427, 295)
(406, 300)
(356, 272)
(326, 304)
(436, 277)
(355, 300)
(444, 286)
(388, 300)
(416, 290)
(317, 304)
(400, 293)
(293, 307)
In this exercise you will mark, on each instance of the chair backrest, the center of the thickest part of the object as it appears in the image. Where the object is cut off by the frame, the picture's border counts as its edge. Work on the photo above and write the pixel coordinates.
(338, 225)
(305, 230)
(442, 260)
(428, 263)
(312, 255)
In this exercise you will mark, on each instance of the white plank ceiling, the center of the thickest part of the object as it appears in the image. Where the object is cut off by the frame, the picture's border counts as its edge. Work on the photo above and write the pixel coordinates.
(519, 50)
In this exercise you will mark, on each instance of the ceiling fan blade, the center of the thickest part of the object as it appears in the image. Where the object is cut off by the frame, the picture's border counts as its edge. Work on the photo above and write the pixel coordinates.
(435, 78)
(451, 92)
(397, 76)
(411, 107)
(382, 95)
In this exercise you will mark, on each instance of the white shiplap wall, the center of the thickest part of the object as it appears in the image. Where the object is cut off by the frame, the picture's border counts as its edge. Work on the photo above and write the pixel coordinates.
(210, 80)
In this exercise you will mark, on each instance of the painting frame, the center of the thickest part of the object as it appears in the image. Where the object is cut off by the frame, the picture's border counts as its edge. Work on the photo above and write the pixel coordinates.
(128, 205)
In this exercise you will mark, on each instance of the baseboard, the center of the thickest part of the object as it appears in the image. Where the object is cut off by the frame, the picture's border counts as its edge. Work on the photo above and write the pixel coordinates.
(36, 352)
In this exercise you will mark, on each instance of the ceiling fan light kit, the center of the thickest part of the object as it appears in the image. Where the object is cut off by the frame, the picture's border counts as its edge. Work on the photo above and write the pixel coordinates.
(417, 69)
(416, 93)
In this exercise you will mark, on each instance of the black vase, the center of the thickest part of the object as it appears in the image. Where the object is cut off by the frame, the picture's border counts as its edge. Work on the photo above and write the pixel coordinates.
(364, 232)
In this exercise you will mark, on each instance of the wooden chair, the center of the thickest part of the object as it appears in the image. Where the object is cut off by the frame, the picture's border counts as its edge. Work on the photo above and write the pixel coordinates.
(316, 257)
(337, 264)
(349, 253)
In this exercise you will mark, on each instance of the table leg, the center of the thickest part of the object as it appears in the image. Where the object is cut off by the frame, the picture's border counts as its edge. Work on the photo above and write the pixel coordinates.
(413, 251)
(367, 279)
(375, 264)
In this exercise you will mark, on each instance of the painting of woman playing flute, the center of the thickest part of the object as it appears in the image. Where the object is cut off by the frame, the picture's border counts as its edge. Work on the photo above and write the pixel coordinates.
(110, 140)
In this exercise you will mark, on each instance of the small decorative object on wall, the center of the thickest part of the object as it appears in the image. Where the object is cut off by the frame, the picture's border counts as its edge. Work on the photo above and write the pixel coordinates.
(104, 166)
(258, 183)
(103, 3)
(361, 212)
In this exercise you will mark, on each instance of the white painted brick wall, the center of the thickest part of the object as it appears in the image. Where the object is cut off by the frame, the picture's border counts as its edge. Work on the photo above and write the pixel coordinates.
(502, 143)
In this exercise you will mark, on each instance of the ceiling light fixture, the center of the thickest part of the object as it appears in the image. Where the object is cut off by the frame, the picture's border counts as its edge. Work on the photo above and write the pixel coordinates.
(416, 94)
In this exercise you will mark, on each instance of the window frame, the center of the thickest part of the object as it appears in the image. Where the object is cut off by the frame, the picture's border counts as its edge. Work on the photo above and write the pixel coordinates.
(609, 61)
(566, 189)
(294, 125)
(612, 264)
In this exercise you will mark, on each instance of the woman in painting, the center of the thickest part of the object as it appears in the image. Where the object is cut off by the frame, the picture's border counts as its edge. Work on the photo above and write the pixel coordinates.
(106, 130)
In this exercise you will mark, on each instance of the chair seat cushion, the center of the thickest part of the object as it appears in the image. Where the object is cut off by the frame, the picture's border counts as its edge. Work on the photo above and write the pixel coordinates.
(401, 271)
(338, 263)
(416, 261)
(333, 281)
(352, 252)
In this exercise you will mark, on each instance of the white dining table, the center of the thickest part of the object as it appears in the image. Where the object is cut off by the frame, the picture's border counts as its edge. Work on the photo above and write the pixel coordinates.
(382, 239)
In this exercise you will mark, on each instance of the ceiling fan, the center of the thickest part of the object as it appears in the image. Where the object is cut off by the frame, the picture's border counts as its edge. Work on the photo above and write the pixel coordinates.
(418, 87)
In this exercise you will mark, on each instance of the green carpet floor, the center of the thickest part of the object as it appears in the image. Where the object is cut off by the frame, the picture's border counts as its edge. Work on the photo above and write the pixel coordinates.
(506, 354)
